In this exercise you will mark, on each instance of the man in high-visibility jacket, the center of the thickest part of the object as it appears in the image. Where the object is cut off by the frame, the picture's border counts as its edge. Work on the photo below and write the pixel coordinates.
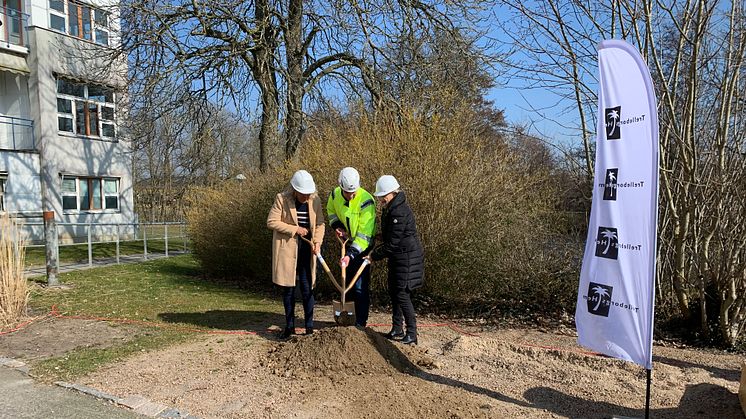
(351, 211)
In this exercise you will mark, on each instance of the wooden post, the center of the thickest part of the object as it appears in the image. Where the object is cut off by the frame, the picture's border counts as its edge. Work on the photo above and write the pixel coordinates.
(51, 248)
(145, 241)
(90, 246)
(165, 238)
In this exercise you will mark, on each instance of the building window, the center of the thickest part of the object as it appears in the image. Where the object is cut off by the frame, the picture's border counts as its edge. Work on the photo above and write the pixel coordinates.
(12, 22)
(85, 109)
(79, 20)
(69, 193)
(3, 180)
(90, 193)
(57, 22)
(111, 193)
(57, 6)
(101, 20)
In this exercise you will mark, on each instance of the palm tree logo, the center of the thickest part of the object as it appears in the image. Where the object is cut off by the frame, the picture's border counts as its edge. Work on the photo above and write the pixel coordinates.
(606, 243)
(612, 119)
(610, 184)
(600, 292)
(609, 235)
(611, 177)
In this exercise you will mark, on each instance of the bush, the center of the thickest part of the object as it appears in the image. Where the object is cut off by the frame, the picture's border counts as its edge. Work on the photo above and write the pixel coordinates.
(486, 219)
(228, 226)
(14, 291)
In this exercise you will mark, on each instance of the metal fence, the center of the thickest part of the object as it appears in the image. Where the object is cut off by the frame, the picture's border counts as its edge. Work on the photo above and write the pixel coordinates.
(111, 242)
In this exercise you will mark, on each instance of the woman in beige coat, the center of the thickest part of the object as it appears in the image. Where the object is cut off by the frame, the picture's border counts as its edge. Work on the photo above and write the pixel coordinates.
(296, 213)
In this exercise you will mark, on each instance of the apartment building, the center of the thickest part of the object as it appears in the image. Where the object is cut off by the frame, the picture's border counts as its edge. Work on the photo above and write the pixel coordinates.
(61, 96)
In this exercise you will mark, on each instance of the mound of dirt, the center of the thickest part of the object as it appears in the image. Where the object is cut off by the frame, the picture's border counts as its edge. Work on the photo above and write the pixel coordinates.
(343, 351)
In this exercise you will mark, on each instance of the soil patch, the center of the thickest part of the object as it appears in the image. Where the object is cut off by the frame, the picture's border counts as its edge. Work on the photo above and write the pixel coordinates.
(347, 372)
(234, 377)
(53, 337)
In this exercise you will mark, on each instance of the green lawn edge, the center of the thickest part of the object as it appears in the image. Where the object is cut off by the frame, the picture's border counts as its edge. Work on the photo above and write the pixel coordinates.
(170, 293)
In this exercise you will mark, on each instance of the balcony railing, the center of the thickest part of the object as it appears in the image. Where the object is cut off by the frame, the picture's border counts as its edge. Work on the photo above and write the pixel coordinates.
(16, 133)
(14, 27)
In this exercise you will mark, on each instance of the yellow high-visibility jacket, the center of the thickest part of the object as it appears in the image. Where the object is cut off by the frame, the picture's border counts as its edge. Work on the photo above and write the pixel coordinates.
(357, 217)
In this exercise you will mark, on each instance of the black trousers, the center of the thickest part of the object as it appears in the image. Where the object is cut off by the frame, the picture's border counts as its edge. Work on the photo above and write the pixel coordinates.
(403, 313)
(303, 281)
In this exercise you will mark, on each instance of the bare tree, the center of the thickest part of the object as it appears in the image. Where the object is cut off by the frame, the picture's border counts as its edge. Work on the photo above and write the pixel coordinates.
(695, 50)
(274, 53)
(174, 150)
(554, 50)
(431, 75)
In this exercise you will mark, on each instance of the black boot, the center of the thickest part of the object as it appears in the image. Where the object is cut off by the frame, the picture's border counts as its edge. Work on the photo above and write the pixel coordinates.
(309, 330)
(394, 334)
(409, 340)
(286, 333)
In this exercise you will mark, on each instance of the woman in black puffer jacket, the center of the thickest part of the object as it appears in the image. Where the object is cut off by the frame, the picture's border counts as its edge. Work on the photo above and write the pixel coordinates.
(406, 259)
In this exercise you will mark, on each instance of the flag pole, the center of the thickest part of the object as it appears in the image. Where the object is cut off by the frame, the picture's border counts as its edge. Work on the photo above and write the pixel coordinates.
(647, 395)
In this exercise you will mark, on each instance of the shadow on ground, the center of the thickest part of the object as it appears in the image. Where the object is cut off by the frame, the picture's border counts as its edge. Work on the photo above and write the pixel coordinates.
(401, 362)
(725, 374)
(698, 401)
(254, 321)
(179, 268)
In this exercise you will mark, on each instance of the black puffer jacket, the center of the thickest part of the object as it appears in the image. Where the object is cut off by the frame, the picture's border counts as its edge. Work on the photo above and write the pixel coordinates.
(401, 245)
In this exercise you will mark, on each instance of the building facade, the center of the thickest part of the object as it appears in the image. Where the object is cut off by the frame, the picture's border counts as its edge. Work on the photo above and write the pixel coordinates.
(61, 97)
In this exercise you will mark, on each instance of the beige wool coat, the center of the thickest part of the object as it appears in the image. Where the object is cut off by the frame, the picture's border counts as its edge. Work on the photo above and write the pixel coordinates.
(283, 221)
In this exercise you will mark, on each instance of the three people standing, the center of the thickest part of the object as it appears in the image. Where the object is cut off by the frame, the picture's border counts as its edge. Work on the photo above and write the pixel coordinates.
(351, 212)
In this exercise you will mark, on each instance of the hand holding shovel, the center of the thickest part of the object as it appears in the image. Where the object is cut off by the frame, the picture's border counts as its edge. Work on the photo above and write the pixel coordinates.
(344, 312)
(323, 264)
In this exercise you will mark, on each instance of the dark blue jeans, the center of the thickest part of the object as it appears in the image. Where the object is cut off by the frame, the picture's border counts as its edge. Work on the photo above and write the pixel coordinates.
(361, 291)
(303, 281)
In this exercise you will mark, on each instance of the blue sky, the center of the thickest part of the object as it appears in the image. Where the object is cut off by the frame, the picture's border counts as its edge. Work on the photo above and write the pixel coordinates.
(545, 113)
(517, 102)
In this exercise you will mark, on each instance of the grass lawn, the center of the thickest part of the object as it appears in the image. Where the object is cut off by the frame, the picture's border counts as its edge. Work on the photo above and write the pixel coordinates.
(79, 252)
(165, 291)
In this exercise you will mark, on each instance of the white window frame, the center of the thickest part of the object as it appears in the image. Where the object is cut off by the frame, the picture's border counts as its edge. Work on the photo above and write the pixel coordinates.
(105, 28)
(104, 121)
(105, 194)
(64, 193)
(102, 182)
(73, 115)
(61, 14)
(95, 27)
(66, 115)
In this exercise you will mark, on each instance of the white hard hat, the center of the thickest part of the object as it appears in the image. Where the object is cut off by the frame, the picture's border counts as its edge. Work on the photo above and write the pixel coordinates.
(302, 182)
(349, 179)
(385, 185)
